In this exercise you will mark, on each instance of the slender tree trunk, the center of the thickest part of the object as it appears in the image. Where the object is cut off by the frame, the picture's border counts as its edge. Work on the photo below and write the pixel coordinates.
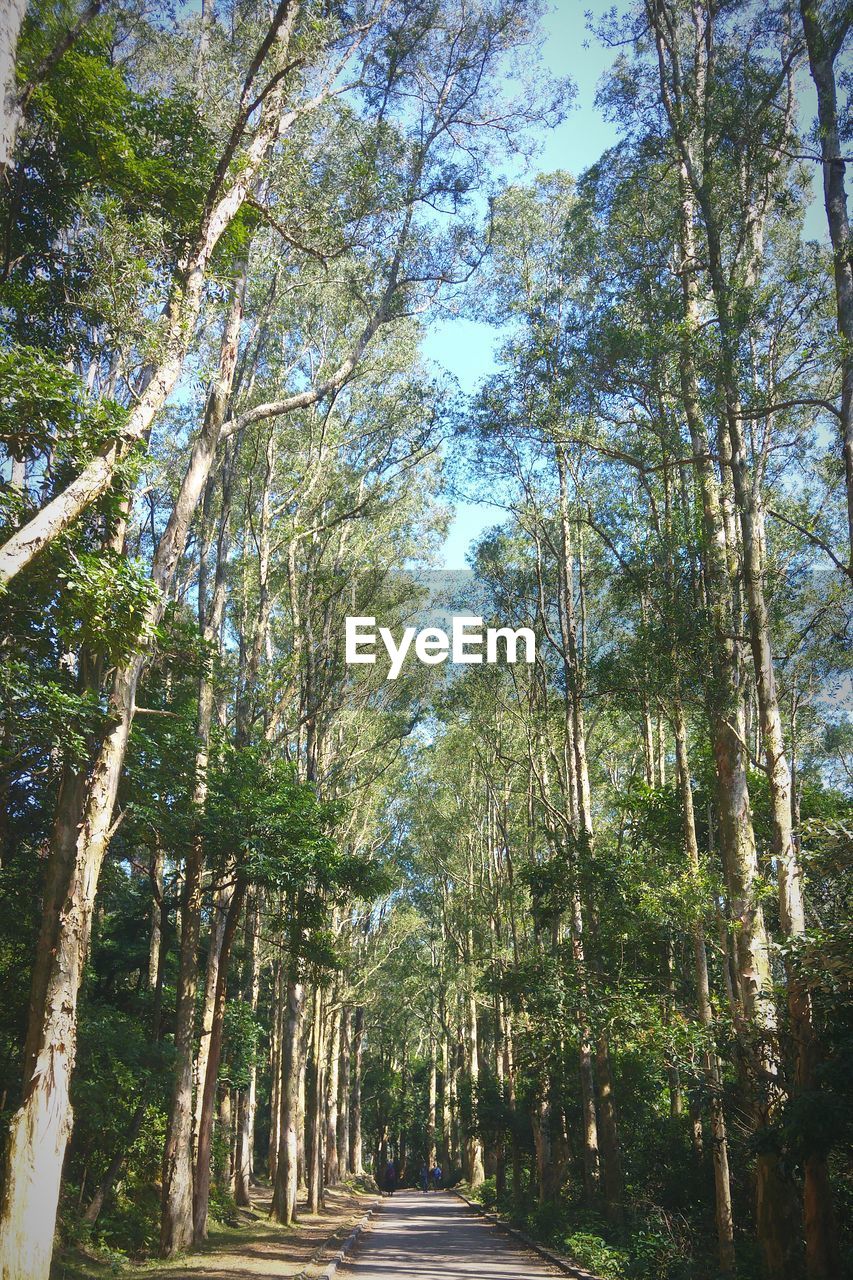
(673, 1075)
(331, 1101)
(287, 1172)
(591, 1158)
(513, 1106)
(176, 1230)
(757, 1029)
(602, 1157)
(542, 1142)
(176, 1221)
(316, 1094)
(473, 1145)
(155, 936)
(96, 1204)
(821, 1234)
(344, 1085)
(246, 1109)
(11, 19)
(301, 1132)
(356, 1155)
(719, 1138)
(224, 1167)
(201, 1187)
(276, 1040)
(611, 1150)
(824, 46)
(432, 1098)
(222, 903)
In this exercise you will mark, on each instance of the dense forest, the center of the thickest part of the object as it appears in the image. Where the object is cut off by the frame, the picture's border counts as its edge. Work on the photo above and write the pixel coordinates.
(578, 928)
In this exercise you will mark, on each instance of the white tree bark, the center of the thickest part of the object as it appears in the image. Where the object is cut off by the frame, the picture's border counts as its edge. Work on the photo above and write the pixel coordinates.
(11, 17)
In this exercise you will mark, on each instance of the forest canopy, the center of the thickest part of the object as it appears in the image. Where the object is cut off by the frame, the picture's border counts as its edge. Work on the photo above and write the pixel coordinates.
(575, 927)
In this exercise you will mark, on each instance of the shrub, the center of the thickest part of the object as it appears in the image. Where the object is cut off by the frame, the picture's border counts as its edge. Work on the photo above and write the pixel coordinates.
(223, 1207)
(486, 1193)
(655, 1255)
(594, 1253)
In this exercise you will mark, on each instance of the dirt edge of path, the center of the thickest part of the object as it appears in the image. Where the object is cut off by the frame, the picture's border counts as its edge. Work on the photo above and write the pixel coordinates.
(256, 1249)
(346, 1249)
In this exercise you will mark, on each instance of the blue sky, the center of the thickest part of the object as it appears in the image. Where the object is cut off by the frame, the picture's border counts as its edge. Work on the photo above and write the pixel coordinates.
(465, 347)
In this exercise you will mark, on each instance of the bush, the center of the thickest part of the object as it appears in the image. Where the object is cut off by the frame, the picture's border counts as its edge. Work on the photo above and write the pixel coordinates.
(486, 1194)
(131, 1223)
(594, 1253)
(655, 1255)
(223, 1207)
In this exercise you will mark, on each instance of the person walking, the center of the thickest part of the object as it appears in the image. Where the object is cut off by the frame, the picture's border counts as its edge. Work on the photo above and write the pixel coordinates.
(390, 1177)
(436, 1177)
(424, 1176)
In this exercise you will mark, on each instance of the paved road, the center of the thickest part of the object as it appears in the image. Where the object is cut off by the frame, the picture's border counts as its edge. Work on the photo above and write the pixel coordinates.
(437, 1237)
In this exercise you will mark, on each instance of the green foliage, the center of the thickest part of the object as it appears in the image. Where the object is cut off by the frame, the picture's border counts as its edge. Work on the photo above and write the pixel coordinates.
(149, 148)
(283, 838)
(106, 604)
(43, 406)
(130, 1227)
(243, 1031)
(49, 711)
(598, 1256)
(486, 1194)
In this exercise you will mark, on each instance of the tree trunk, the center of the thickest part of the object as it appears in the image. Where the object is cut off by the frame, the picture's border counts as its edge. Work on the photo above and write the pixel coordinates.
(222, 903)
(243, 1164)
(301, 1131)
(201, 1187)
(39, 1130)
(155, 936)
(11, 19)
(757, 1029)
(609, 1130)
(432, 1098)
(473, 1145)
(542, 1142)
(822, 1249)
(344, 1076)
(314, 1107)
(287, 1171)
(356, 1154)
(719, 1138)
(176, 1222)
(824, 47)
(332, 1176)
(513, 1105)
(591, 1157)
(96, 1204)
(276, 1040)
(226, 1133)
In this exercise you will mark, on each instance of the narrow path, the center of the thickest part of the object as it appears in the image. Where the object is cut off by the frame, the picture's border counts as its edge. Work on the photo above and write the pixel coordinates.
(437, 1237)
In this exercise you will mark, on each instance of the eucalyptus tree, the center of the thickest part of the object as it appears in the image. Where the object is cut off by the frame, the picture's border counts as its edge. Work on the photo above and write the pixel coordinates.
(251, 124)
(597, 367)
(729, 206)
(20, 75)
(827, 33)
(266, 63)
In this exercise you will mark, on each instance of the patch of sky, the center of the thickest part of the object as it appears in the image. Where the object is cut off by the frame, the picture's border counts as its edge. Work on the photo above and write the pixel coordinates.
(466, 346)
